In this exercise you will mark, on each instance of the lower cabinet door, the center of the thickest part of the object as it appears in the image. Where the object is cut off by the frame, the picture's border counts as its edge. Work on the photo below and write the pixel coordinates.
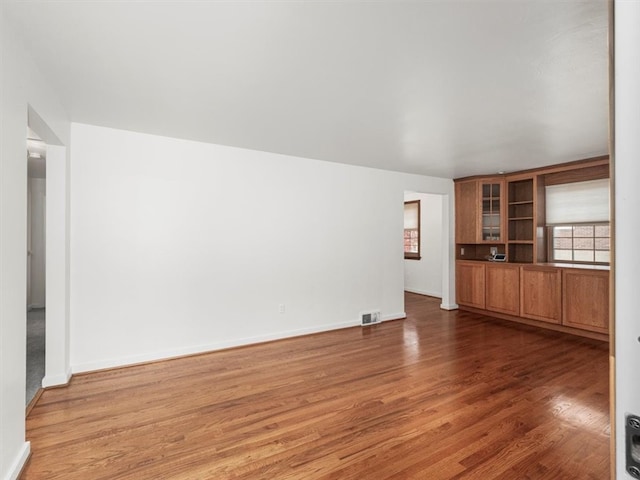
(541, 293)
(585, 302)
(503, 288)
(470, 284)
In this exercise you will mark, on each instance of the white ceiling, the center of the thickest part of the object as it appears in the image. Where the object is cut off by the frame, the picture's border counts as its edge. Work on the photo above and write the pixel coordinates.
(444, 88)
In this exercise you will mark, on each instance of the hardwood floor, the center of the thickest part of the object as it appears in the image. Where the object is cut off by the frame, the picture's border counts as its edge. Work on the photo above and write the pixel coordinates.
(440, 395)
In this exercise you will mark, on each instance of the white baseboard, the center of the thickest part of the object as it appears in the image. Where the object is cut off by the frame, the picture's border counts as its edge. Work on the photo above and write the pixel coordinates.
(394, 316)
(424, 292)
(180, 352)
(56, 380)
(453, 306)
(18, 464)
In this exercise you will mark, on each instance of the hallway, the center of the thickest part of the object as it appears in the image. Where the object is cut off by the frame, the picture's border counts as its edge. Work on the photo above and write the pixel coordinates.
(35, 351)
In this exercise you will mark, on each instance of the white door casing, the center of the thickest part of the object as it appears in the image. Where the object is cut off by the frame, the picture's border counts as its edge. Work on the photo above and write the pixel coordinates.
(627, 221)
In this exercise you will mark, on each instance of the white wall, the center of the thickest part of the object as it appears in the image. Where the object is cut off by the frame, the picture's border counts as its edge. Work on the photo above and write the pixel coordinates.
(57, 365)
(424, 276)
(21, 85)
(180, 247)
(627, 224)
(37, 192)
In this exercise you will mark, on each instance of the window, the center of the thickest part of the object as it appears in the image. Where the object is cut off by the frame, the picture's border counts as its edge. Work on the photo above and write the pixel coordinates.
(412, 230)
(580, 243)
(578, 222)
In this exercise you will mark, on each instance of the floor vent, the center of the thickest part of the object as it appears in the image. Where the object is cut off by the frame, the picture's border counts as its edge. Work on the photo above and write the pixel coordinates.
(369, 318)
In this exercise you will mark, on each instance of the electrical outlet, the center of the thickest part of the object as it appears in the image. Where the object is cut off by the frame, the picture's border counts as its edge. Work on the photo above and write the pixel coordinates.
(461, 251)
(281, 308)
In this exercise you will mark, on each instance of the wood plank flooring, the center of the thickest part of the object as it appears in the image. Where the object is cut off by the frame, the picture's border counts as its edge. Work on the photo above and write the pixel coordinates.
(440, 395)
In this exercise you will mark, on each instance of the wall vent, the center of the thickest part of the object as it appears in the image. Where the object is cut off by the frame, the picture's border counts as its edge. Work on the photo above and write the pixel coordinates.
(369, 318)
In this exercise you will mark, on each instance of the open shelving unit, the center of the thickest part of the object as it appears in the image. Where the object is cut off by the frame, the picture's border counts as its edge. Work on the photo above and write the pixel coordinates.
(523, 217)
(520, 220)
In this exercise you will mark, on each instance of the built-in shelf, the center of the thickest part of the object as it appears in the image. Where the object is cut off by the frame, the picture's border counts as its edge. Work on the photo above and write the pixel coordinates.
(520, 220)
(507, 212)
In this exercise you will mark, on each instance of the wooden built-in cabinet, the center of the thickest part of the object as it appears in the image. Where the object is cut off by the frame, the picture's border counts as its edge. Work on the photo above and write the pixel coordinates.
(585, 299)
(502, 292)
(467, 212)
(491, 212)
(470, 284)
(541, 294)
(480, 211)
(570, 299)
(506, 214)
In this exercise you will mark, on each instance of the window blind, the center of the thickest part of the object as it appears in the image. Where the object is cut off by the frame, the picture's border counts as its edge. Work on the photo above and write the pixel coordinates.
(411, 215)
(580, 202)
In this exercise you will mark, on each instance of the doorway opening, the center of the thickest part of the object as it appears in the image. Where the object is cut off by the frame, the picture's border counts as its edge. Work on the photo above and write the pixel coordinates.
(423, 274)
(36, 263)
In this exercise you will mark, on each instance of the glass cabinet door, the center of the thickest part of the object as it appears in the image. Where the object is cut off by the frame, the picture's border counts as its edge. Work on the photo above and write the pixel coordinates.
(491, 217)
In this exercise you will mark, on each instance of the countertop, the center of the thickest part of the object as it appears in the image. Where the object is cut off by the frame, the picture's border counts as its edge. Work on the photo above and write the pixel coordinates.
(582, 266)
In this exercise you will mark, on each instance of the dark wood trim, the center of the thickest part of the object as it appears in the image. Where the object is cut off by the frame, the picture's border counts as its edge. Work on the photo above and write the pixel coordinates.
(561, 167)
(597, 172)
(549, 169)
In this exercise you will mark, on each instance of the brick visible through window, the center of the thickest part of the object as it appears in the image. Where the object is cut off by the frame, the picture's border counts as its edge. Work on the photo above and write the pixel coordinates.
(411, 240)
(580, 243)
